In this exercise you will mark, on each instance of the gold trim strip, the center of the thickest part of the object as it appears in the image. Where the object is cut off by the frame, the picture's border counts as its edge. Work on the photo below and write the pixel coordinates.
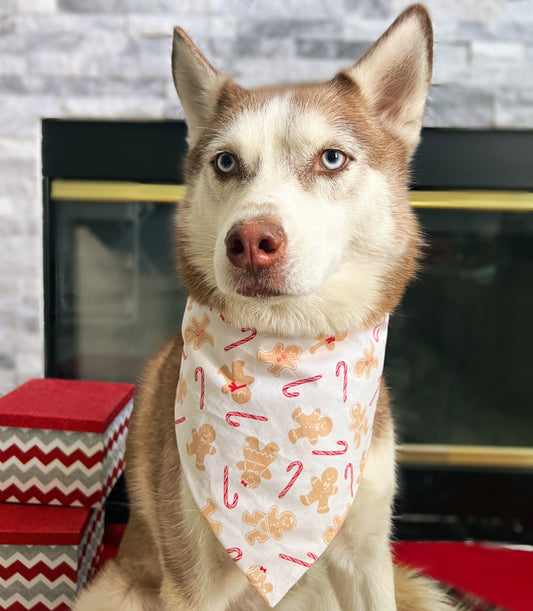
(465, 456)
(504, 201)
(99, 190)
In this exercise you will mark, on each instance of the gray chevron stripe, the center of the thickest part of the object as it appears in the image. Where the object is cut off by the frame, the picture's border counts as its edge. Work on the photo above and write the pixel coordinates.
(45, 478)
(53, 552)
(47, 437)
(50, 593)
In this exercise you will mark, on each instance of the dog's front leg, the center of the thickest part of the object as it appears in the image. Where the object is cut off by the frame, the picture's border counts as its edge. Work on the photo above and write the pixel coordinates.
(359, 559)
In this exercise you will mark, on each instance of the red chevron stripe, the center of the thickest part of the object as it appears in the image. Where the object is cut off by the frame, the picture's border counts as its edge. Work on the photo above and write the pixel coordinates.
(78, 455)
(47, 457)
(57, 497)
(111, 442)
(88, 542)
(39, 607)
(40, 568)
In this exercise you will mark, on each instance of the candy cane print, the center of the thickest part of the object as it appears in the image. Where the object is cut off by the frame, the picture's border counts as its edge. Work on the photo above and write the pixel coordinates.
(343, 444)
(231, 415)
(179, 420)
(290, 394)
(376, 392)
(300, 562)
(199, 370)
(349, 469)
(242, 341)
(233, 503)
(342, 365)
(237, 551)
(299, 466)
(183, 354)
(377, 328)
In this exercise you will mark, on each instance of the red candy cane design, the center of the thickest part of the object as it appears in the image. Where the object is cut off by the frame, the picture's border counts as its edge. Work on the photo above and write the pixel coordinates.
(343, 444)
(231, 415)
(233, 503)
(183, 354)
(349, 469)
(290, 394)
(377, 329)
(299, 466)
(300, 562)
(200, 371)
(342, 365)
(377, 390)
(242, 341)
(237, 551)
(179, 420)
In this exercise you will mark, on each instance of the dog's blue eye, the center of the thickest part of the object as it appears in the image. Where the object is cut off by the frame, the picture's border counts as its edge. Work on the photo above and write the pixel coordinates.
(226, 163)
(332, 159)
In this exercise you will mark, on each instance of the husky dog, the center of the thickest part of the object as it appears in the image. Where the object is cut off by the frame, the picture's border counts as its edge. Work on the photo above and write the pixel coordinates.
(296, 223)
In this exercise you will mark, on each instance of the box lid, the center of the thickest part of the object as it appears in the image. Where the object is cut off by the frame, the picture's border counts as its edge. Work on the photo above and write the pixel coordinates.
(42, 524)
(64, 405)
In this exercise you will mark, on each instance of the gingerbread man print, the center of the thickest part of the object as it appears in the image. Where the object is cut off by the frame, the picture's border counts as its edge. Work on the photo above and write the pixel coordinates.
(280, 357)
(208, 511)
(201, 444)
(311, 426)
(256, 462)
(181, 391)
(237, 382)
(332, 530)
(359, 425)
(258, 576)
(322, 489)
(365, 365)
(267, 525)
(327, 341)
(196, 333)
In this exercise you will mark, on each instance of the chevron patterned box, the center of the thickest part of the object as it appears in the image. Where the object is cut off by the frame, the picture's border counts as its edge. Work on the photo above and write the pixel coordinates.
(62, 442)
(47, 554)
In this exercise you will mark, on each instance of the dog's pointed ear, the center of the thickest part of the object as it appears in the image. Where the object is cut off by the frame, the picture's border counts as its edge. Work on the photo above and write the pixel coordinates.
(196, 81)
(395, 73)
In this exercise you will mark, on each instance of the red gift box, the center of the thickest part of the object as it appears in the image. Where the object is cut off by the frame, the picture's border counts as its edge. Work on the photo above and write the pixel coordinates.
(47, 554)
(62, 442)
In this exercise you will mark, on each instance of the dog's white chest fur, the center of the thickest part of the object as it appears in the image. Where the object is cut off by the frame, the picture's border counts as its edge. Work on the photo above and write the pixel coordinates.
(273, 435)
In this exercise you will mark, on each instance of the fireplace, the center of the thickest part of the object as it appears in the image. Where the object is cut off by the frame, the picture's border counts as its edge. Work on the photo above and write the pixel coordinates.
(458, 355)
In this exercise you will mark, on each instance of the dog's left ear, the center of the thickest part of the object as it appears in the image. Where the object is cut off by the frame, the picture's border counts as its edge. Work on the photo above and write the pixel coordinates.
(197, 83)
(395, 73)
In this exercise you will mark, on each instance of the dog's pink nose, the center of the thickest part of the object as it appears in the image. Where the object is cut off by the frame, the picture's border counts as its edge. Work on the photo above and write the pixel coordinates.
(255, 244)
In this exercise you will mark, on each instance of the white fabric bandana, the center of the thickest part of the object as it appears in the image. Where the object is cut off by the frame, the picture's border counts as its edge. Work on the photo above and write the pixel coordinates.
(273, 435)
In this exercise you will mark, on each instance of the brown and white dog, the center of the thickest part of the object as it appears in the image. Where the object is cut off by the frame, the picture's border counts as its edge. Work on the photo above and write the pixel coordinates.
(296, 222)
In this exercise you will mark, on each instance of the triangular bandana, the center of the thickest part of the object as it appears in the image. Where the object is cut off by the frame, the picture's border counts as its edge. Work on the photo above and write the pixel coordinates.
(273, 435)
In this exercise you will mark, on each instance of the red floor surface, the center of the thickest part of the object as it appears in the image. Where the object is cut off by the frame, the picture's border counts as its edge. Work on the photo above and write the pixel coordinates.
(500, 576)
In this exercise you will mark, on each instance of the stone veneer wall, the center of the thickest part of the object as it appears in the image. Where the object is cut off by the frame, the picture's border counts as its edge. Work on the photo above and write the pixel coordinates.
(110, 59)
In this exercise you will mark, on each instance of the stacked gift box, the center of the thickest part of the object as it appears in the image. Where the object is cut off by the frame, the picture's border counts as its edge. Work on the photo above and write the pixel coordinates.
(62, 446)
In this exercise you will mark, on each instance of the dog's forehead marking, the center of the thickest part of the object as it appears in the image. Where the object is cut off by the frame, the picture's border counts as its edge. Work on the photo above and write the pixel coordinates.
(283, 122)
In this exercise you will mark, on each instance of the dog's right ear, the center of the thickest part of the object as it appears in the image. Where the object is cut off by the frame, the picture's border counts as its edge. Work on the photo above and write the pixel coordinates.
(196, 81)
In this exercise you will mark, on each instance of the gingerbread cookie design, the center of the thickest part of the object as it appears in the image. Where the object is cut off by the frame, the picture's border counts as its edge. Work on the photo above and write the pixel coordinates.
(322, 489)
(362, 466)
(201, 444)
(332, 530)
(181, 391)
(237, 382)
(327, 341)
(365, 365)
(207, 511)
(359, 425)
(311, 426)
(258, 576)
(196, 333)
(280, 357)
(267, 525)
(256, 462)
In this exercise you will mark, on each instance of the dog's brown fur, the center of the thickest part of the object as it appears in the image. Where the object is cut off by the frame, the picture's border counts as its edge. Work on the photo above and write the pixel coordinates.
(169, 558)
